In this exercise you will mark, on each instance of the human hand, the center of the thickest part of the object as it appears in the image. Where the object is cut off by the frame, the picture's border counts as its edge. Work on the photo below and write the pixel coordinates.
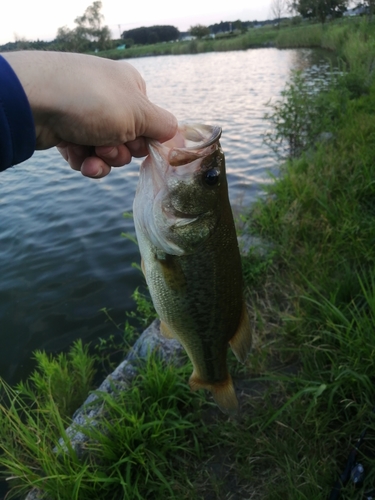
(94, 110)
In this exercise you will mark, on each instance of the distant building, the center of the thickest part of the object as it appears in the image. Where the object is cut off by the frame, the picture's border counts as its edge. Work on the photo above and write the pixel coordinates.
(186, 37)
(357, 11)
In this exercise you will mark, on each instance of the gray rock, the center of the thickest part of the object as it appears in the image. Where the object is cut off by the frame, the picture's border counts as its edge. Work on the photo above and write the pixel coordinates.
(92, 410)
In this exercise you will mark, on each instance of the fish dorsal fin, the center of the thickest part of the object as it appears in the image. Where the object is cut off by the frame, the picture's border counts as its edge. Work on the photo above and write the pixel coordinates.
(166, 331)
(223, 393)
(240, 343)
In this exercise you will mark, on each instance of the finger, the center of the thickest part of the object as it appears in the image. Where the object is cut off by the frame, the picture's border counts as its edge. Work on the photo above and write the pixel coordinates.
(74, 154)
(116, 156)
(94, 167)
(62, 149)
(138, 147)
(160, 124)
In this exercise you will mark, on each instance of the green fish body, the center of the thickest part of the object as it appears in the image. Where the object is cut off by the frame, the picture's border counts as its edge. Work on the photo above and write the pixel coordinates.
(190, 255)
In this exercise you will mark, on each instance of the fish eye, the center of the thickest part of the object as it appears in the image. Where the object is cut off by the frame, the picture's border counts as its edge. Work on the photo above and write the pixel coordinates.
(211, 177)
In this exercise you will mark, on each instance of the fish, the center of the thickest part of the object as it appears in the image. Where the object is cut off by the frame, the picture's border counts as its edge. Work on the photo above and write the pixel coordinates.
(190, 256)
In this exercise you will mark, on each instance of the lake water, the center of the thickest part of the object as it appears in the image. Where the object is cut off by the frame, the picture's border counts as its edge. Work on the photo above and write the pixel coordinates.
(62, 257)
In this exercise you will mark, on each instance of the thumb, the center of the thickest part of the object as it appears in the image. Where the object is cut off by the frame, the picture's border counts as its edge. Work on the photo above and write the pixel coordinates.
(160, 124)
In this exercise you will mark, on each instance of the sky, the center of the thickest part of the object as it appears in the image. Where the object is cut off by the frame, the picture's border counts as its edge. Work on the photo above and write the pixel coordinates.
(40, 19)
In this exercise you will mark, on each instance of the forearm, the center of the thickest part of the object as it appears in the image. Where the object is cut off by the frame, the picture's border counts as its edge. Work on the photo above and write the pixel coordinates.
(17, 130)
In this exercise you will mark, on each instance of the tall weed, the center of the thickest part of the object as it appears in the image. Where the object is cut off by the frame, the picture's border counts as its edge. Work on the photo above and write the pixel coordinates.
(335, 36)
(359, 52)
(140, 451)
(68, 377)
(305, 115)
(300, 36)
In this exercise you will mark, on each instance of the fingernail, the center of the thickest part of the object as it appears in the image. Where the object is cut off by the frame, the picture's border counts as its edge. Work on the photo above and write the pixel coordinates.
(99, 172)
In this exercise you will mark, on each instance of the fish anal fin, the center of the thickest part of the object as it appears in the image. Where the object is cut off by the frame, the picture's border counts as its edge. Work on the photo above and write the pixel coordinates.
(166, 331)
(240, 343)
(222, 392)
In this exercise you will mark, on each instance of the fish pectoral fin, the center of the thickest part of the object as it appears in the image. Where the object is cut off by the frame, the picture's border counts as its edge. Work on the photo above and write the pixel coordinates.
(223, 393)
(166, 331)
(240, 343)
(143, 267)
(173, 273)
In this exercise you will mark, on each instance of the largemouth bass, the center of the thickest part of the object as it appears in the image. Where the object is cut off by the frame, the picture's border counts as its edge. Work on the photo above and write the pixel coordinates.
(190, 256)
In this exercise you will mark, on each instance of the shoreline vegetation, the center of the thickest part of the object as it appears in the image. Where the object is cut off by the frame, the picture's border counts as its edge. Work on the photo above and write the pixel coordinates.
(330, 36)
(307, 391)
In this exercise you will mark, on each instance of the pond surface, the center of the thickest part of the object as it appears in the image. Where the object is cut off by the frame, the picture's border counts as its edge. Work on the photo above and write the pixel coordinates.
(62, 257)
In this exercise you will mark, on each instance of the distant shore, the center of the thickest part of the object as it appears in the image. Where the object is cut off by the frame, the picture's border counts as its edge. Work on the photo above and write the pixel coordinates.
(304, 35)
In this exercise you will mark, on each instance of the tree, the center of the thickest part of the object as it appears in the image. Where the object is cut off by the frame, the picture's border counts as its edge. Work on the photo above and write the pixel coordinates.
(199, 30)
(238, 25)
(320, 9)
(152, 34)
(70, 40)
(278, 8)
(89, 33)
(370, 4)
(221, 27)
(89, 25)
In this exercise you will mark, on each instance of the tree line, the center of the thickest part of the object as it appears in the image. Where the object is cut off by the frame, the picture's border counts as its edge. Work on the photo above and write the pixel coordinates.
(320, 10)
(152, 34)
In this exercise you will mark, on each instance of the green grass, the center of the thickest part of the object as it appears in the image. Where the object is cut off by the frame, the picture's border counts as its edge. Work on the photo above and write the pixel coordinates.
(319, 218)
(253, 38)
(141, 450)
(300, 36)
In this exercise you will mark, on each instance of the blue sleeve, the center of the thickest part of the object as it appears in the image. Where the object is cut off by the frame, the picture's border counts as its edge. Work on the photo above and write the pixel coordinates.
(17, 130)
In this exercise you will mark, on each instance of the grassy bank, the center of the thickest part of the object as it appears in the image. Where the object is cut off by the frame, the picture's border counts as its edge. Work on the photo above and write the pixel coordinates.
(254, 38)
(332, 36)
(307, 391)
(319, 289)
(320, 219)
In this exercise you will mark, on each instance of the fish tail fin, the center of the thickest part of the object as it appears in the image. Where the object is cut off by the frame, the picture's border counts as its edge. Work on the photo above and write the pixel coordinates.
(240, 343)
(223, 393)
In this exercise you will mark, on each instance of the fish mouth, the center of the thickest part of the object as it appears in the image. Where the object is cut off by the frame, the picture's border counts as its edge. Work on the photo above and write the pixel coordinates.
(194, 136)
(192, 141)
